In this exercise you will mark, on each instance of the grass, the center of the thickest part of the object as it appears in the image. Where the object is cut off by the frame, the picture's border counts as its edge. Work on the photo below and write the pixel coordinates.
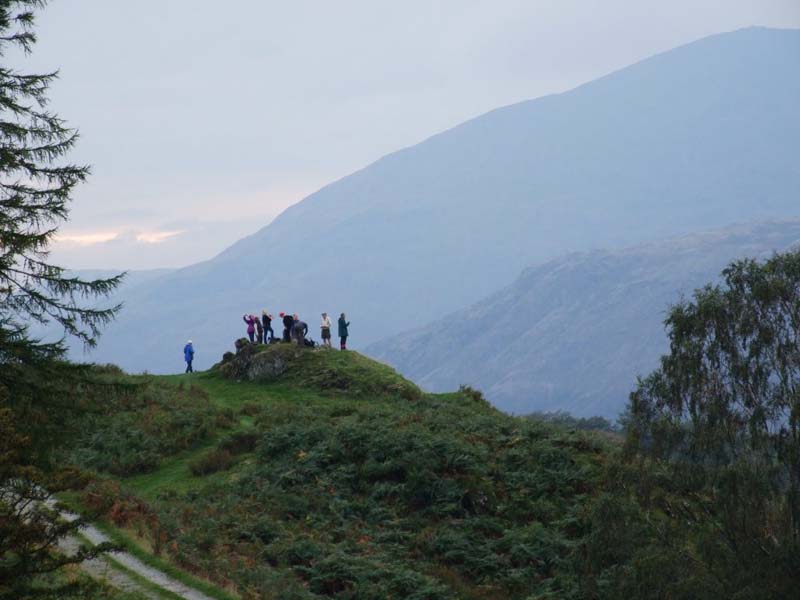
(172, 475)
(355, 477)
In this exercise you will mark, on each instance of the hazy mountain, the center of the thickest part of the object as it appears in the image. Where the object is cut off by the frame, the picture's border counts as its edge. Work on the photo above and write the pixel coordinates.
(574, 333)
(702, 136)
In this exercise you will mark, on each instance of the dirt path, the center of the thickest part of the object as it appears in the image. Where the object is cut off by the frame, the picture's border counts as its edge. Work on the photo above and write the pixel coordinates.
(103, 568)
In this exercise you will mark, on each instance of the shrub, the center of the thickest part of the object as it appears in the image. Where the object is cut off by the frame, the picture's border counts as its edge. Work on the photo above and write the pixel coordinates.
(240, 442)
(568, 421)
(100, 495)
(129, 429)
(215, 460)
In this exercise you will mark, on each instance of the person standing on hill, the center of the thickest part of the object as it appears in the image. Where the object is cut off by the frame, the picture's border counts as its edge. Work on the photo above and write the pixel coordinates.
(251, 326)
(259, 331)
(188, 356)
(288, 321)
(266, 323)
(344, 331)
(299, 331)
(325, 327)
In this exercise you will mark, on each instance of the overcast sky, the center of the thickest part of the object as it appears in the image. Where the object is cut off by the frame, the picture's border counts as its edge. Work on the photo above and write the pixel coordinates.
(203, 120)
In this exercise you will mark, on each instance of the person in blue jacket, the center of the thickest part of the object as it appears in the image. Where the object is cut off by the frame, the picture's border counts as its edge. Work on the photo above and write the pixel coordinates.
(188, 356)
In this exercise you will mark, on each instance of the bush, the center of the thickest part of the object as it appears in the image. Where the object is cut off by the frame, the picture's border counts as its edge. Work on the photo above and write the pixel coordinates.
(211, 462)
(129, 430)
(568, 421)
(444, 498)
(240, 442)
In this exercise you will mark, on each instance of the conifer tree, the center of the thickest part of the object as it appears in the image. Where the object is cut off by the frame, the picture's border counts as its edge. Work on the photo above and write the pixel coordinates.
(36, 383)
(35, 189)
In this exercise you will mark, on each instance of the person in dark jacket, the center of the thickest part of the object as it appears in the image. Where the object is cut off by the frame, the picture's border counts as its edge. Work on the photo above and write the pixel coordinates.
(188, 356)
(266, 324)
(288, 321)
(259, 331)
(299, 331)
(344, 331)
(251, 326)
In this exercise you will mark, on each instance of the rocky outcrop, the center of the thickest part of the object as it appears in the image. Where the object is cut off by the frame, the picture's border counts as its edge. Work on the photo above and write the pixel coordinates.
(254, 362)
(323, 370)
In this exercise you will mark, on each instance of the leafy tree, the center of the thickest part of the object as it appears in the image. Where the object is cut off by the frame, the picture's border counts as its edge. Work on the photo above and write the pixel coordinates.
(720, 421)
(36, 384)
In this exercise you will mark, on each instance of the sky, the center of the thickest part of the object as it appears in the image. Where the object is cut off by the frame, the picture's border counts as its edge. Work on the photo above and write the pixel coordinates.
(202, 120)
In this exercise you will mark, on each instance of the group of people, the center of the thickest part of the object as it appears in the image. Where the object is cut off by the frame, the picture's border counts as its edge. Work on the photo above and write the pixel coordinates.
(295, 329)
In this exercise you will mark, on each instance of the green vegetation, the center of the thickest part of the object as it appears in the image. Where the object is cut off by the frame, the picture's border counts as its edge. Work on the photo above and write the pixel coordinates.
(38, 389)
(329, 372)
(290, 474)
(568, 421)
(301, 489)
(717, 427)
(71, 582)
(133, 426)
(321, 493)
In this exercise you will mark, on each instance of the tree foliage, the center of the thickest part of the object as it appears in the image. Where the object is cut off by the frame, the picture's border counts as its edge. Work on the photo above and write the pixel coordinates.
(36, 385)
(720, 420)
(35, 189)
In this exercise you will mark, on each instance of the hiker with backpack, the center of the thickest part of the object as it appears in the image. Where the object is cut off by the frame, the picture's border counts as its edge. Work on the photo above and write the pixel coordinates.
(188, 356)
(288, 322)
(299, 331)
(344, 325)
(325, 330)
(266, 323)
(251, 326)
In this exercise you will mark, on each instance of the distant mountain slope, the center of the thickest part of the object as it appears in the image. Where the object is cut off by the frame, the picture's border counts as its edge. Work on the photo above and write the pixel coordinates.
(702, 136)
(574, 333)
(52, 331)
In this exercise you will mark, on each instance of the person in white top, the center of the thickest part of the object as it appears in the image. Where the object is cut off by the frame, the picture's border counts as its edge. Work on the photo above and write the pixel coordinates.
(325, 326)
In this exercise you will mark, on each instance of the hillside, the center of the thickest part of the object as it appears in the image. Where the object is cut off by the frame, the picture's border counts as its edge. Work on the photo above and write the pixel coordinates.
(701, 136)
(284, 487)
(260, 480)
(574, 333)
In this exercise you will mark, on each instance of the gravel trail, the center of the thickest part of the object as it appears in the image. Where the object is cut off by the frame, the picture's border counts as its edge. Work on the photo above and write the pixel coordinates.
(118, 578)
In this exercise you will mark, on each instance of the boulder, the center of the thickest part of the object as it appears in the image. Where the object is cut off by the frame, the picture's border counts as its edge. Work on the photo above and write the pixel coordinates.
(258, 362)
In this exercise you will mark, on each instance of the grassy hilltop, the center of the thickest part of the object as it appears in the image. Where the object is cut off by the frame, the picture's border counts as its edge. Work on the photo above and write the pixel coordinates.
(336, 478)
(296, 474)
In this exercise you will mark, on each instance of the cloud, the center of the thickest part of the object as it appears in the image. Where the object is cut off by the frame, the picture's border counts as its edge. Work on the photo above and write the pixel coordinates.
(87, 239)
(124, 235)
(156, 237)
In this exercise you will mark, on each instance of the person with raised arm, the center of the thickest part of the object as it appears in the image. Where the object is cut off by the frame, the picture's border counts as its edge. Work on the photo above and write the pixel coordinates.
(266, 324)
(251, 326)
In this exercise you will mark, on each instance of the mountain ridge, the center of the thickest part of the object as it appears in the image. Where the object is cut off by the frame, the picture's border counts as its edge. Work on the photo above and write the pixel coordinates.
(642, 153)
(574, 333)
